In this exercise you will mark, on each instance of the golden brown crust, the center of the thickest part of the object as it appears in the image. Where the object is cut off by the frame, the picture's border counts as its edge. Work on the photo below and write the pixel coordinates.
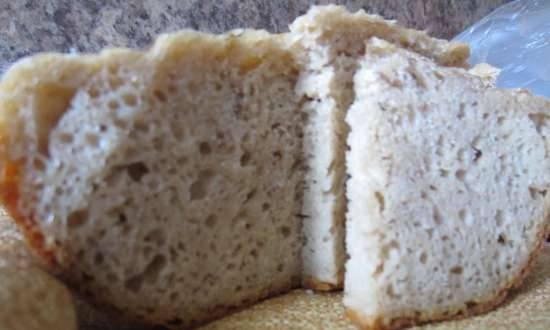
(9, 197)
(479, 308)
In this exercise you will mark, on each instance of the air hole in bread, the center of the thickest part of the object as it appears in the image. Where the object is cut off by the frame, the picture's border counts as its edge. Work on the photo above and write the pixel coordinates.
(200, 187)
(411, 116)
(461, 154)
(141, 127)
(536, 193)
(115, 82)
(423, 258)
(460, 113)
(136, 171)
(430, 232)
(501, 239)
(237, 249)
(93, 92)
(460, 174)
(245, 158)
(204, 148)
(380, 199)
(113, 105)
(66, 138)
(210, 222)
(159, 95)
(92, 139)
(130, 99)
(38, 164)
(499, 218)
(149, 275)
(391, 292)
(77, 218)
(462, 214)
(239, 218)
(265, 207)
(437, 216)
(539, 120)
(457, 270)
(155, 236)
(277, 155)
(285, 231)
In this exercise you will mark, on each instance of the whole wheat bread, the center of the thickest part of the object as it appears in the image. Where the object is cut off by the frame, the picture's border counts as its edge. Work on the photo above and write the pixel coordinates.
(447, 190)
(331, 41)
(166, 183)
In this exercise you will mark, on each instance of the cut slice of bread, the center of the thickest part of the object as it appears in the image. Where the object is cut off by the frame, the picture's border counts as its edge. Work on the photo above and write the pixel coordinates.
(447, 190)
(166, 184)
(332, 40)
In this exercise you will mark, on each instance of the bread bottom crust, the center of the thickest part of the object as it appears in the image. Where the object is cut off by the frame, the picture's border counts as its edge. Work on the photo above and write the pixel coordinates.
(312, 283)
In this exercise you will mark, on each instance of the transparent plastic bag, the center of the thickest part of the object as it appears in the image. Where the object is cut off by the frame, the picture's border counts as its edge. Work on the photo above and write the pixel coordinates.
(516, 39)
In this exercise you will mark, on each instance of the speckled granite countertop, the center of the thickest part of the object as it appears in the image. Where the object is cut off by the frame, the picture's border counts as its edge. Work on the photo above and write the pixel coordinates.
(30, 26)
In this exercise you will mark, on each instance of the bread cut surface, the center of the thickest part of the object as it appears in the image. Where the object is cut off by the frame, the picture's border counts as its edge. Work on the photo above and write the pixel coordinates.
(166, 183)
(332, 40)
(447, 190)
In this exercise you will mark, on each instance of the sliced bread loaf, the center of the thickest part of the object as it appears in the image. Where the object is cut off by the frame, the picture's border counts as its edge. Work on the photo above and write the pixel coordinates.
(331, 41)
(447, 190)
(166, 183)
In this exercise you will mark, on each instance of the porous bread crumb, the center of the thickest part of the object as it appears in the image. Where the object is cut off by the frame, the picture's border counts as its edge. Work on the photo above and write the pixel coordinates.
(447, 190)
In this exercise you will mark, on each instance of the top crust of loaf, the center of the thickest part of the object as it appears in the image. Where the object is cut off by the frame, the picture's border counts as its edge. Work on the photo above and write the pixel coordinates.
(328, 21)
(398, 69)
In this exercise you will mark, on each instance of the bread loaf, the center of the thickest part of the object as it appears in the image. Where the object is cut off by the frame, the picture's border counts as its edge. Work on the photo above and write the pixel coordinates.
(447, 190)
(332, 41)
(165, 184)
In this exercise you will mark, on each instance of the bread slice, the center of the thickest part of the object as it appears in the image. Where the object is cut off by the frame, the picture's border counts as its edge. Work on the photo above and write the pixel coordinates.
(166, 184)
(332, 40)
(447, 190)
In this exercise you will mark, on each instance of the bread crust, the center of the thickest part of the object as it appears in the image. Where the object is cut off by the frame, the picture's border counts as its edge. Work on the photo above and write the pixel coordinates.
(480, 308)
(9, 197)
(312, 283)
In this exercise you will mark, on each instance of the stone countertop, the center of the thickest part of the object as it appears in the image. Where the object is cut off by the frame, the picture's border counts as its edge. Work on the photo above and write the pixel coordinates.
(30, 26)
